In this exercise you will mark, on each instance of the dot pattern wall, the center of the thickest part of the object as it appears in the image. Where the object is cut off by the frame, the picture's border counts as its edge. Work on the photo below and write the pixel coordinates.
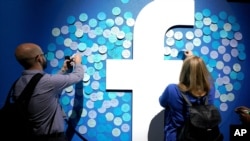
(106, 116)
(218, 40)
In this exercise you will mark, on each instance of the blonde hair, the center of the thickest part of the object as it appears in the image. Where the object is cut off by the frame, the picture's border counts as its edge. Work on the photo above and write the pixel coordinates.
(194, 76)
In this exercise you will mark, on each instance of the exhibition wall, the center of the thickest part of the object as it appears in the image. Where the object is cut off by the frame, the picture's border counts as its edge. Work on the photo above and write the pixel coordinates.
(131, 50)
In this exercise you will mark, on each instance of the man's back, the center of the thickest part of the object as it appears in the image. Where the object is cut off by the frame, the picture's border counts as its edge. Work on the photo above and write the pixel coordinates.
(44, 105)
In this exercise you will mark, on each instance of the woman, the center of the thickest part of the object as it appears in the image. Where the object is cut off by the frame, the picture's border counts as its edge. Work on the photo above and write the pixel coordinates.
(194, 81)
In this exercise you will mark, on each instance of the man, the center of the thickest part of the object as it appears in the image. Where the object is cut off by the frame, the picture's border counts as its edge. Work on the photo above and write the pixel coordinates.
(44, 111)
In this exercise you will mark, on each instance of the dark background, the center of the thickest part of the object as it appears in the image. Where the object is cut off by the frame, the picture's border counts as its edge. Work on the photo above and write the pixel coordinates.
(33, 20)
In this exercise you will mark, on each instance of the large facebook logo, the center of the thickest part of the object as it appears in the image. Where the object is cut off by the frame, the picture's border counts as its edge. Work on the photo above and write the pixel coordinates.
(147, 74)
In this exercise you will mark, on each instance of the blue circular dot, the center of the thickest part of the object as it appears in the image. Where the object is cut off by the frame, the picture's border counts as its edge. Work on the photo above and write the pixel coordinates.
(237, 85)
(235, 27)
(110, 22)
(101, 128)
(196, 53)
(118, 53)
(98, 31)
(51, 47)
(217, 103)
(81, 121)
(98, 65)
(88, 90)
(222, 89)
(67, 52)
(214, 74)
(126, 117)
(89, 43)
(50, 56)
(233, 75)
(125, 107)
(102, 24)
(206, 12)
(223, 34)
(72, 28)
(83, 17)
(102, 86)
(54, 71)
(179, 43)
(96, 58)
(216, 35)
(109, 127)
(206, 30)
(101, 40)
(241, 47)
(71, 19)
(90, 70)
(101, 16)
(205, 58)
(199, 24)
(126, 97)
(102, 72)
(129, 36)
(220, 24)
(215, 44)
(101, 118)
(116, 11)
(65, 100)
(198, 16)
(126, 29)
(92, 22)
(231, 19)
(98, 104)
(112, 38)
(60, 62)
(84, 37)
(230, 35)
(117, 111)
(240, 76)
(59, 40)
(212, 63)
(119, 42)
(91, 133)
(82, 46)
(223, 15)
(125, 1)
(207, 39)
(210, 69)
(124, 137)
(73, 36)
(128, 15)
(242, 56)
(167, 57)
(112, 95)
(214, 19)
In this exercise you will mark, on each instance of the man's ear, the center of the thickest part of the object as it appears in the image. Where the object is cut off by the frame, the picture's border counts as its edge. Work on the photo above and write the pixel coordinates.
(39, 58)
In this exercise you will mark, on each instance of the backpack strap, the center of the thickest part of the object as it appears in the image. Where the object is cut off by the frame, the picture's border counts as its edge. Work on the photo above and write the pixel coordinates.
(186, 99)
(26, 93)
(29, 89)
(206, 100)
(189, 103)
(8, 99)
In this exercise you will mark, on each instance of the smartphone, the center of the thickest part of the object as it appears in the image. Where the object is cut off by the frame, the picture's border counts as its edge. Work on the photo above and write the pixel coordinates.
(69, 62)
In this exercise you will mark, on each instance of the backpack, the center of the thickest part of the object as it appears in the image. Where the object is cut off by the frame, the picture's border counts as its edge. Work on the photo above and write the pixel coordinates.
(201, 124)
(13, 122)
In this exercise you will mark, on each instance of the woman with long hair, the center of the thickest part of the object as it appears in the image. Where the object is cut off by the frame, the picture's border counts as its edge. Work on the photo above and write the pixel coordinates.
(195, 82)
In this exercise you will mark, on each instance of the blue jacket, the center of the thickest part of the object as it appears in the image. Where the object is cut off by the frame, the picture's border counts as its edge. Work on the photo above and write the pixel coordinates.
(172, 100)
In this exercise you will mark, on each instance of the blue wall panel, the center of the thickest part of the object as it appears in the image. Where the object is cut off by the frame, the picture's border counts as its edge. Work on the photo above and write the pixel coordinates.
(62, 27)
